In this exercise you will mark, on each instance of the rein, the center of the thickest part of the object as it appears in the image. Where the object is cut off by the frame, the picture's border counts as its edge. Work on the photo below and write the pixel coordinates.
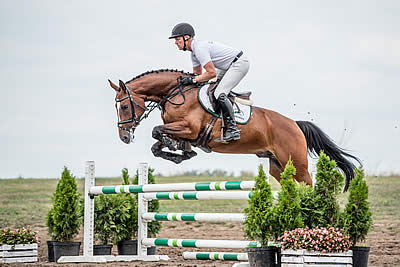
(178, 90)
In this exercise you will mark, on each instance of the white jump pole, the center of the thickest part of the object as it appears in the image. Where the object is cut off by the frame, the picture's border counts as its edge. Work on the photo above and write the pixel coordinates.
(88, 226)
(142, 209)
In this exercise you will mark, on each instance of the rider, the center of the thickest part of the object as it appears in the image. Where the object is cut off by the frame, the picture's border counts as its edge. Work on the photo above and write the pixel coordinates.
(231, 64)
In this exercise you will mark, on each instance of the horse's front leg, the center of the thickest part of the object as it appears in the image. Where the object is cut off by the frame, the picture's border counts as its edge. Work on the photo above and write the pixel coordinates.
(168, 135)
(157, 152)
(167, 141)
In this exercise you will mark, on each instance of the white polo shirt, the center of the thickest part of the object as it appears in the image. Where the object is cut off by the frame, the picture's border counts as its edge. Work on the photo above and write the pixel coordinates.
(206, 51)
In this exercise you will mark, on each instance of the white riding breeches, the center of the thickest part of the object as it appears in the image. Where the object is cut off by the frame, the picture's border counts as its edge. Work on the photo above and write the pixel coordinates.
(231, 77)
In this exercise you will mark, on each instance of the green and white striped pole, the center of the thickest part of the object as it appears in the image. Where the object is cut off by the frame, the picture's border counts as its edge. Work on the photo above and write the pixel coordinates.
(201, 186)
(193, 243)
(199, 217)
(202, 195)
(229, 256)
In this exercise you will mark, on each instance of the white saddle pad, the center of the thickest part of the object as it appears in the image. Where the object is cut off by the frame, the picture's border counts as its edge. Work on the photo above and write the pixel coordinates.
(242, 112)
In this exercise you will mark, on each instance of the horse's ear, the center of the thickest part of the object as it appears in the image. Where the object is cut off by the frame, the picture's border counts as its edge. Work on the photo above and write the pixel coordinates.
(122, 85)
(114, 86)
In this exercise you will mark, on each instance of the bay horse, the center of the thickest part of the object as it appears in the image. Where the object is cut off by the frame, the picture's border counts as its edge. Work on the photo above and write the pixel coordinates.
(268, 134)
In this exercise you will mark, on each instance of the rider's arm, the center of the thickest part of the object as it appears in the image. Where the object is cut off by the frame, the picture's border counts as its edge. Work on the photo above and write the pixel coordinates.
(197, 70)
(208, 75)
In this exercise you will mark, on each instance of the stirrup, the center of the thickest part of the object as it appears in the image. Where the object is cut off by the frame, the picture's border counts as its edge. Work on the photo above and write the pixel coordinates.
(234, 136)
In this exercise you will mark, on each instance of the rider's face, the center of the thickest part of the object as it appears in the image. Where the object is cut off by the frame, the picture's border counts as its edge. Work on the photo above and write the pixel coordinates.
(179, 42)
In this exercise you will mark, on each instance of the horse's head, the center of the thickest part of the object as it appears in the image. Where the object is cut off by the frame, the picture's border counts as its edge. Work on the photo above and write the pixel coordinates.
(129, 108)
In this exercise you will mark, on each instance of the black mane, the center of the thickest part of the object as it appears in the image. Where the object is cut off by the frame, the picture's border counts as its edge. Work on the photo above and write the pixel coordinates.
(158, 71)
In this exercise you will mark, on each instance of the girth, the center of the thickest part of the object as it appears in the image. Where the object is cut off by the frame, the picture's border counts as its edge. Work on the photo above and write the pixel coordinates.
(205, 136)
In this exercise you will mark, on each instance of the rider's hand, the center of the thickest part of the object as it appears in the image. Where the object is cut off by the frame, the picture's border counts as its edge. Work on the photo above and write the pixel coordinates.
(187, 80)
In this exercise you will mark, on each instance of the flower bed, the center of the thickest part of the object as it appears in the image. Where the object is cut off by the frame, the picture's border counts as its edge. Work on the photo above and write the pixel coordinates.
(19, 245)
(320, 245)
(321, 239)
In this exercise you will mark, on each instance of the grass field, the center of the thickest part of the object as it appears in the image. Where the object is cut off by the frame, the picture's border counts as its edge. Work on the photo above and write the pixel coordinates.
(27, 201)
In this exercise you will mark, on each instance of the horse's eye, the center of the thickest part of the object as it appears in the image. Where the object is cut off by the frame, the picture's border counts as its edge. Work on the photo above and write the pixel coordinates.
(124, 107)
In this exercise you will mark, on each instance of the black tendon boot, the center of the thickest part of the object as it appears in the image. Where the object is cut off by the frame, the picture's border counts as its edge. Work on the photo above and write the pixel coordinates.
(231, 131)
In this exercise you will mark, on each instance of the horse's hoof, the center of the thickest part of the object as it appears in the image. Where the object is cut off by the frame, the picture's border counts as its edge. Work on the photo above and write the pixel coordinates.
(177, 160)
(156, 149)
(170, 143)
(189, 155)
(156, 153)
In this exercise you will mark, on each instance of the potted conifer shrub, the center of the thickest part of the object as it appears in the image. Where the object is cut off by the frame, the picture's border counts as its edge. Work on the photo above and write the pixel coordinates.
(117, 222)
(105, 208)
(125, 220)
(319, 204)
(63, 219)
(128, 245)
(287, 210)
(260, 222)
(357, 218)
(154, 227)
(329, 184)
(309, 213)
(321, 241)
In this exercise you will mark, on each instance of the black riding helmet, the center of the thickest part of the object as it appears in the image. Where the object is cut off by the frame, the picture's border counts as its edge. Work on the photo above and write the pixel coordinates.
(182, 29)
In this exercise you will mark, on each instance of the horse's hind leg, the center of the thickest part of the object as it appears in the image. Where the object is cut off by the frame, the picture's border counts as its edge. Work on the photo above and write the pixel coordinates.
(300, 162)
(302, 174)
(275, 167)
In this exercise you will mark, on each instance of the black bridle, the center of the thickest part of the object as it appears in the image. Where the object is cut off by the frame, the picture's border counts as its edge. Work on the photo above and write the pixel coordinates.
(178, 90)
(134, 118)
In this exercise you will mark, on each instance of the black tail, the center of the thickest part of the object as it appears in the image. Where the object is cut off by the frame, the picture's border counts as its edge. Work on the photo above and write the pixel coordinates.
(317, 140)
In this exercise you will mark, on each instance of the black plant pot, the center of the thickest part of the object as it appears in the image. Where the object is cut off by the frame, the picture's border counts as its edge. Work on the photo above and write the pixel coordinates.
(278, 256)
(102, 249)
(58, 249)
(263, 257)
(152, 250)
(360, 256)
(129, 247)
(50, 251)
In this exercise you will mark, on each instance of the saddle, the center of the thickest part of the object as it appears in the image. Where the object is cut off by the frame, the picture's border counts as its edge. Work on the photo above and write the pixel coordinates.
(232, 95)
(210, 104)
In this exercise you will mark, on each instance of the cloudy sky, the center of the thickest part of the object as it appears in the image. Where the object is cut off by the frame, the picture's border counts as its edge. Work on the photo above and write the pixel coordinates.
(336, 63)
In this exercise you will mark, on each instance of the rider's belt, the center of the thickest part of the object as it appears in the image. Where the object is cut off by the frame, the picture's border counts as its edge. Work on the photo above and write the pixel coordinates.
(237, 56)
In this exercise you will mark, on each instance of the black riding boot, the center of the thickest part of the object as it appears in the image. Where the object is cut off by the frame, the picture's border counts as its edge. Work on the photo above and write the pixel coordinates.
(231, 131)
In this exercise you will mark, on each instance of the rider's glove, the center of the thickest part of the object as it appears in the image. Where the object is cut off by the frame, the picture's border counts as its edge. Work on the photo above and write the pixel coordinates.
(187, 80)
